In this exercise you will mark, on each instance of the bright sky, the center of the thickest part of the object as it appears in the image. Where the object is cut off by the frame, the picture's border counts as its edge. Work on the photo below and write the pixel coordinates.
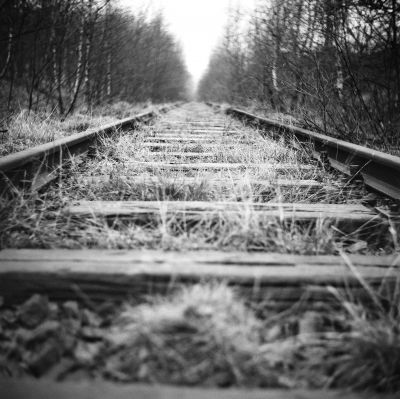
(197, 24)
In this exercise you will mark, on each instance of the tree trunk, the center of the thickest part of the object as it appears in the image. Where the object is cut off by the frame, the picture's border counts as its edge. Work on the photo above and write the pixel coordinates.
(9, 52)
(88, 48)
(78, 73)
(395, 55)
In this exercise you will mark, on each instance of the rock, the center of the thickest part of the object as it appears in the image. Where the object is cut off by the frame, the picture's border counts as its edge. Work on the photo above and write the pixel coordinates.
(85, 353)
(287, 382)
(78, 375)
(68, 343)
(45, 330)
(12, 349)
(92, 334)
(118, 337)
(143, 372)
(221, 379)
(23, 335)
(34, 311)
(9, 317)
(53, 314)
(59, 369)
(43, 360)
(71, 309)
(72, 326)
(117, 375)
(11, 368)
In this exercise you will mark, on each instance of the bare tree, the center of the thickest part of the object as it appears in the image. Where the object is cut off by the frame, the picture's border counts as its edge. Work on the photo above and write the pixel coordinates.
(334, 63)
(71, 54)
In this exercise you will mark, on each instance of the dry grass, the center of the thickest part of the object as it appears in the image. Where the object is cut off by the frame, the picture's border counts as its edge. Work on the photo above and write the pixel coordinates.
(201, 335)
(208, 334)
(27, 129)
(347, 126)
(213, 335)
(361, 348)
(39, 221)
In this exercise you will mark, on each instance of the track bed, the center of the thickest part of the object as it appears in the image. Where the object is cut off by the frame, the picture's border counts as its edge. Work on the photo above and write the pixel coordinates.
(252, 252)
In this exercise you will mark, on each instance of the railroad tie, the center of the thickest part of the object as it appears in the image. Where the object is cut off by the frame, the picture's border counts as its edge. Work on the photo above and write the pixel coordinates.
(217, 166)
(341, 214)
(105, 275)
(192, 137)
(216, 204)
(210, 180)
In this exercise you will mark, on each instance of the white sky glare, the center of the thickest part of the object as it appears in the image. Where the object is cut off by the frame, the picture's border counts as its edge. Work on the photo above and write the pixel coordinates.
(197, 24)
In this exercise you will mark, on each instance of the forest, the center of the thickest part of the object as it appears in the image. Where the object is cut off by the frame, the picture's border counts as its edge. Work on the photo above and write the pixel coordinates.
(58, 56)
(333, 64)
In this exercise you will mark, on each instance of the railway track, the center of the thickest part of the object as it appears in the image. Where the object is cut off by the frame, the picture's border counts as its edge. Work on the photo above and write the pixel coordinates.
(196, 196)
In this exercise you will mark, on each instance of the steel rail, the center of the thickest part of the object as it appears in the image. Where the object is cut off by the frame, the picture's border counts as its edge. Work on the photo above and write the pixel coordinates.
(379, 171)
(40, 165)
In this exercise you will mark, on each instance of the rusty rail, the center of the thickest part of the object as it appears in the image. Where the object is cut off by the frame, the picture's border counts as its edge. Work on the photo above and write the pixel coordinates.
(378, 170)
(38, 166)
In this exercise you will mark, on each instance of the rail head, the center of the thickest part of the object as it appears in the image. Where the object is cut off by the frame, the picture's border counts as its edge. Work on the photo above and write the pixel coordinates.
(39, 165)
(21, 158)
(379, 170)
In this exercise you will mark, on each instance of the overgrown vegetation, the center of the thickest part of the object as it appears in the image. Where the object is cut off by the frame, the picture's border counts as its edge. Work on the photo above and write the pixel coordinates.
(334, 65)
(27, 129)
(59, 56)
(115, 173)
(68, 66)
(206, 334)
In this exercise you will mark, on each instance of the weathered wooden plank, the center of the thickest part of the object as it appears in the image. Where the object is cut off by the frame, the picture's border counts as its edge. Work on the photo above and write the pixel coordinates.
(204, 128)
(213, 122)
(207, 119)
(183, 154)
(193, 127)
(45, 389)
(198, 131)
(181, 128)
(166, 136)
(183, 145)
(184, 139)
(282, 211)
(103, 274)
(209, 181)
(238, 258)
(215, 165)
(169, 133)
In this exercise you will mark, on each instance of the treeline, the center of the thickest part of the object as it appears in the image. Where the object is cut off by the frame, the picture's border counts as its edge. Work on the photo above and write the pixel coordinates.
(60, 55)
(333, 63)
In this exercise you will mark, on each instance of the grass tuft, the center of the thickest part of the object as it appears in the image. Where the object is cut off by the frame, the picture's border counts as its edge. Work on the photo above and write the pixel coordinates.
(27, 129)
(204, 335)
